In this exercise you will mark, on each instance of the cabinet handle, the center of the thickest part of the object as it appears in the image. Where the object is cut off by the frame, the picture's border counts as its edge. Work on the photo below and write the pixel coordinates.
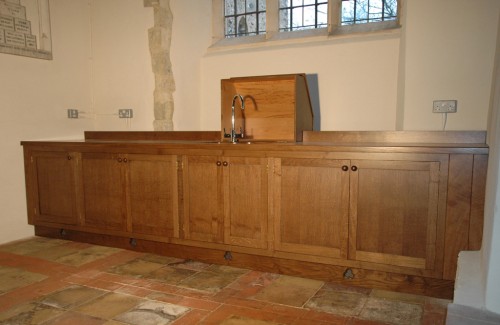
(219, 163)
(225, 164)
(119, 160)
(354, 168)
(69, 157)
(345, 168)
(125, 160)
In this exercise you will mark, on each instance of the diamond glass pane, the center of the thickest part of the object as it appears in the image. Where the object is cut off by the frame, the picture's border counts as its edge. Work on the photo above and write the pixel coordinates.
(367, 11)
(297, 17)
(262, 23)
(240, 7)
(375, 10)
(362, 11)
(228, 7)
(322, 15)
(309, 16)
(252, 24)
(230, 26)
(390, 9)
(284, 19)
(251, 5)
(244, 17)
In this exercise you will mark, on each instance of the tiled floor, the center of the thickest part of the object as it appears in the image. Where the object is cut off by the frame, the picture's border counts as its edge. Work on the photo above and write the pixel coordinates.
(51, 281)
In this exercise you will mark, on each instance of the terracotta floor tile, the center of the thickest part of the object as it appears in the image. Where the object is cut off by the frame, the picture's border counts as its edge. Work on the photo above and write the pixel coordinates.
(104, 285)
(109, 305)
(229, 314)
(31, 245)
(152, 313)
(31, 313)
(291, 291)
(192, 317)
(134, 291)
(337, 302)
(198, 303)
(392, 312)
(285, 310)
(75, 319)
(213, 279)
(137, 268)
(325, 317)
(30, 292)
(75, 283)
(71, 296)
(235, 301)
(170, 275)
(13, 278)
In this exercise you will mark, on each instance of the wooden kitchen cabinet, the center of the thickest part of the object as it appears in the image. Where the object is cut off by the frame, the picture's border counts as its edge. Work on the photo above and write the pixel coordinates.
(397, 206)
(380, 210)
(311, 206)
(51, 187)
(202, 218)
(225, 200)
(104, 200)
(131, 192)
(392, 208)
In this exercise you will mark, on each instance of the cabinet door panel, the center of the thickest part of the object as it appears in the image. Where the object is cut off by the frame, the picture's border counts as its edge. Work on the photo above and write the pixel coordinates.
(394, 212)
(55, 188)
(246, 201)
(312, 206)
(202, 219)
(104, 191)
(152, 196)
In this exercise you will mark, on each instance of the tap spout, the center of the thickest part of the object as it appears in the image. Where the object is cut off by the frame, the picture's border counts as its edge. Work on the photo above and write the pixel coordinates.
(234, 136)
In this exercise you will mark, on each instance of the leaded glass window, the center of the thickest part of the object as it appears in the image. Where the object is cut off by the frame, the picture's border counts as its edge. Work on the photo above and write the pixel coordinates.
(302, 14)
(368, 11)
(244, 17)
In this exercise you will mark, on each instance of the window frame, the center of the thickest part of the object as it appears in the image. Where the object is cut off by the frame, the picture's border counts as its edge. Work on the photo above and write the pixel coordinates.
(334, 28)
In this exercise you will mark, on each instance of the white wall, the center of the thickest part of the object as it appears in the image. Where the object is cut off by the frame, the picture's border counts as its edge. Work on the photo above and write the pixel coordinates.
(352, 93)
(113, 71)
(449, 54)
(34, 97)
(121, 70)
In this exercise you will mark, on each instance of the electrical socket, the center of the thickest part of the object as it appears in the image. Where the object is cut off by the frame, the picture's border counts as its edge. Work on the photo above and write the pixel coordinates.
(444, 106)
(125, 113)
(72, 113)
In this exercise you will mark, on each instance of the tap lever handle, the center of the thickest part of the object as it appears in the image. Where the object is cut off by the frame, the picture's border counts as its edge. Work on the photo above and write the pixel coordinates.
(226, 135)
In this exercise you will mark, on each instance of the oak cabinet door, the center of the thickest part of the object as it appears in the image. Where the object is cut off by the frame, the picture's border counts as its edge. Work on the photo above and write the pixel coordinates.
(397, 212)
(152, 194)
(311, 206)
(203, 199)
(53, 179)
(245, 201)
(104, 191)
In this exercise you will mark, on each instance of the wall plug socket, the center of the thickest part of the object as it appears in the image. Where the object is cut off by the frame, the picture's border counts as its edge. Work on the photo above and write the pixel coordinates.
(72, 113)
(125, 113)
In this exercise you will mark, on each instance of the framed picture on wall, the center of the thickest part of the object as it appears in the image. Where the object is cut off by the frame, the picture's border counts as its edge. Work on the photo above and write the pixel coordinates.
(25, 28)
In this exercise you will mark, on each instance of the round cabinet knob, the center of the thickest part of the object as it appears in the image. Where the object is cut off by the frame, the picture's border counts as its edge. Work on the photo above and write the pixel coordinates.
(119, 160)
(125, 160)
(225, 164)
(69, 157)
(345, 168)
(219, 163)
(354, 168)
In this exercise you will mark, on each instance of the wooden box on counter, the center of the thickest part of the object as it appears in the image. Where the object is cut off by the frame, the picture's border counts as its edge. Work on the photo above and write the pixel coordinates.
(277, 107)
